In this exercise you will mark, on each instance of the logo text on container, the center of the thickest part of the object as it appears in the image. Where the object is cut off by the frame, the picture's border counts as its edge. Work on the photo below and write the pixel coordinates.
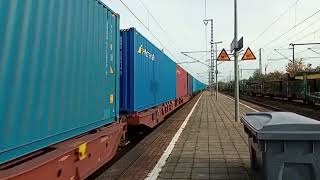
(146, 53)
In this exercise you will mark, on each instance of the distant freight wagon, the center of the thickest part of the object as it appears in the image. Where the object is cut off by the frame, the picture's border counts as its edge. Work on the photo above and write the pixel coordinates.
(304, 87)
(65, 99)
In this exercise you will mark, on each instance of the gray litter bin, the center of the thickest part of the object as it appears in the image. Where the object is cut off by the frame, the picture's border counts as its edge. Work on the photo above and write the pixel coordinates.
(283, 146)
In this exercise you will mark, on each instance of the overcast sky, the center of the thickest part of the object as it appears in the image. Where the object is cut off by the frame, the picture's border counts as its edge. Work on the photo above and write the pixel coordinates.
(182, 28)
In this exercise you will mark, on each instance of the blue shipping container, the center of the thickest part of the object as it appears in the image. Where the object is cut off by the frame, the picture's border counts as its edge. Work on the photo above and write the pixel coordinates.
(197, 85)
(58, 72)
(148, 76)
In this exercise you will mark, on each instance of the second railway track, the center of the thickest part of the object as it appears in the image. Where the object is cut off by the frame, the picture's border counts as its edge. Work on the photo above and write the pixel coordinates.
(281, 105)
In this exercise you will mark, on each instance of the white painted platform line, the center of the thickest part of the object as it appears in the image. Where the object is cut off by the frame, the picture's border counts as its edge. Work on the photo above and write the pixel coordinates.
(162, 161)
(241, 103)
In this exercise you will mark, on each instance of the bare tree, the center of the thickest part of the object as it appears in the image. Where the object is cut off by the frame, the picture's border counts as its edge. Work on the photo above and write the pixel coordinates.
(274, 76)
(293, 68)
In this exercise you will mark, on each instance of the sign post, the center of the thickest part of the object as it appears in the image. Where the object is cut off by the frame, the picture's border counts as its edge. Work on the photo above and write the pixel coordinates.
(236, 66)
(217, 82)
(236, 46)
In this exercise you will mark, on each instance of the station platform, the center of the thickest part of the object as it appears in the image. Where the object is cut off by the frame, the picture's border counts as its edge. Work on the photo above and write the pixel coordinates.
(200, 141)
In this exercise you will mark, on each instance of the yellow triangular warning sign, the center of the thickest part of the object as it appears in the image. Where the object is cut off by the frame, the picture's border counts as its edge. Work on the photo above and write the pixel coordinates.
(223, 56)
(248, 55)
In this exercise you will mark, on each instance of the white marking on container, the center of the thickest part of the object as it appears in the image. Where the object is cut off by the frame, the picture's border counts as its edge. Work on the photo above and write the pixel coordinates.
(162, 161)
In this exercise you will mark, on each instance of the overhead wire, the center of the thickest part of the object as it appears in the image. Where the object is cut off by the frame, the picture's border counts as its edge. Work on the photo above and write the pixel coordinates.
(206, 45)
(313, 47)
(298, 36)
(301, 22)
(285, 43)
(160, 26)
(274, 22)
(303, 37)
(307, 35)
(168, 36)
(205, 9)
(305, 58)
(196, 60)
(147, 28)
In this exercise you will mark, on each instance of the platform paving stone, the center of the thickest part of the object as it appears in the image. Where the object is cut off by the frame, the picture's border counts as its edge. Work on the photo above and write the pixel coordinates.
(212, 145)
(139, 161)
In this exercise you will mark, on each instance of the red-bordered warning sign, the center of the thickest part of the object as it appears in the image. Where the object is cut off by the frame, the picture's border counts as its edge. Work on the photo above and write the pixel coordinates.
(248, 55)
(223, 56)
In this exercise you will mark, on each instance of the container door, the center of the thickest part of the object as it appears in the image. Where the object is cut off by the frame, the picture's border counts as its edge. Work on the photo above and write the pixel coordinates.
(111, 64)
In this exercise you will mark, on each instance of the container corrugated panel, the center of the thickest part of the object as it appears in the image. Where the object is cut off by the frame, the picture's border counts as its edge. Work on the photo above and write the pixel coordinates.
(194, 85)
(148, 76)
(190, 84)
(197, 85)
(58, 72)
(182, 82)
(202, 86)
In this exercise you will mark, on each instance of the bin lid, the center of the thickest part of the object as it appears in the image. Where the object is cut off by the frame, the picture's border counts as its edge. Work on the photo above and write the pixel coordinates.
(281, 126)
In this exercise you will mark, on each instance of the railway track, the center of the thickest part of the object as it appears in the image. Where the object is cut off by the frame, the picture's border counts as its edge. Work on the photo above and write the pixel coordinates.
(282, 105)
(262, 104)
(141, 138)
(135, 136)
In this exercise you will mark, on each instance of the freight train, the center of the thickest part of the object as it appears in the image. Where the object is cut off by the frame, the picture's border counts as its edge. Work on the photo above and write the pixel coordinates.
(71, 83)
(304, 87)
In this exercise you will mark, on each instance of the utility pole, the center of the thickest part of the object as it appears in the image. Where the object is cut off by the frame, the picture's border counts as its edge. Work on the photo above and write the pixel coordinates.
(211, 71)
(265, 69)
(236, 70)
(260, 60)
(293, 61)
(212, 56)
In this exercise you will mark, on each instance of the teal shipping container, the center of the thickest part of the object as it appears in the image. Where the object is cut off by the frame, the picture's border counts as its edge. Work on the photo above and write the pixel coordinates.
(59, 64)
(197, 85)
(148, 75)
